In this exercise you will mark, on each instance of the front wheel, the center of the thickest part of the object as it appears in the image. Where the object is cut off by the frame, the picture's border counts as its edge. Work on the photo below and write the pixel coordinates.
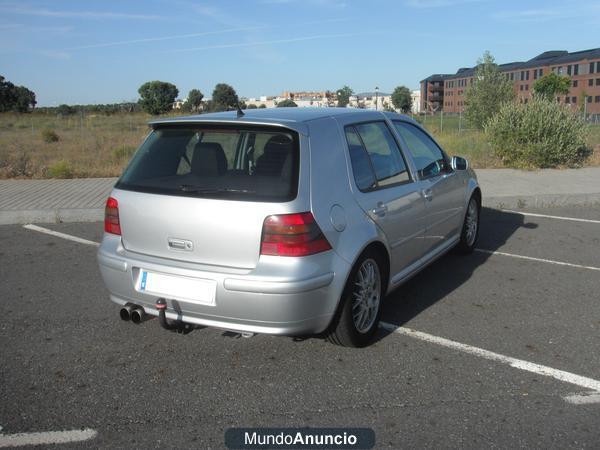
(358, 317)
(470, 229)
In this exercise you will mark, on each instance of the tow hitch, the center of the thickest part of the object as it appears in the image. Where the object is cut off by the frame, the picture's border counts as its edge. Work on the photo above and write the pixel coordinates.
(171, 325)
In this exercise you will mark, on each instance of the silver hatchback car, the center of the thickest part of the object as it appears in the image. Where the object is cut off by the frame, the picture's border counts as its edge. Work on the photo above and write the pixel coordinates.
(288, 221)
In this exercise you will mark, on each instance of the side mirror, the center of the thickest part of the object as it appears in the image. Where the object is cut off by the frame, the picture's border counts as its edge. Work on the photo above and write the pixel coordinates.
(459, 163)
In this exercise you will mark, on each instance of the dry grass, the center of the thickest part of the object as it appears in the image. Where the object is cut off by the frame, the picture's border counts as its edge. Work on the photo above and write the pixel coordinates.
(90, 146)
(100, 146)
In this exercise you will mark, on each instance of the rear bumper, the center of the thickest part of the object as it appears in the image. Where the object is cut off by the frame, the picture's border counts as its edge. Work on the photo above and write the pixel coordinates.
(288, 296)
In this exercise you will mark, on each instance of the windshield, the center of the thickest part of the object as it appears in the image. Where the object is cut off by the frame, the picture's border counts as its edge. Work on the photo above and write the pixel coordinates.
(216, 162)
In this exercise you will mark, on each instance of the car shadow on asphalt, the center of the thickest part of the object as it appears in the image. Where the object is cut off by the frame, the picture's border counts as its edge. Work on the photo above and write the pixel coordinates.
(448, 273)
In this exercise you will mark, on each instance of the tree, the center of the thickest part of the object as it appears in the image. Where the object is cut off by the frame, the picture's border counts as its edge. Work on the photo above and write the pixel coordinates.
(251, 106)
(24, 99)
(287, 103)
(402, 99)
(488, 92)
(65, 110)
(224, 97)
(329, 98)
(7, 95)
(262, 106)
(551, 85)
(343, 96)
(387, 107)
(157, 97)
(195, 99)
(15, 98)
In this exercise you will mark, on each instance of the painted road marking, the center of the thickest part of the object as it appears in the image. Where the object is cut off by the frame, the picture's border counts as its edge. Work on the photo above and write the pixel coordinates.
(573, 219)
(531, 258)
(46, 438)
(60, 235)
(583, 399)
(561, 375)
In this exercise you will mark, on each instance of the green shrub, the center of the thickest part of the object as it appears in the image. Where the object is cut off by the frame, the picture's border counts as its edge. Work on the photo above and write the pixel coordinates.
(123, 152)
(540, 133)
(49, 136)
(60, 169)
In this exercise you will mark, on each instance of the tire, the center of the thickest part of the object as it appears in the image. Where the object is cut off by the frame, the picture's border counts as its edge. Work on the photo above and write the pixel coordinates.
(470, 228)
(357, 319)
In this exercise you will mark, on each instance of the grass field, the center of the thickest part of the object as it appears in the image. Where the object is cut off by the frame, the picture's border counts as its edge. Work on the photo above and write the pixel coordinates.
(48, 146)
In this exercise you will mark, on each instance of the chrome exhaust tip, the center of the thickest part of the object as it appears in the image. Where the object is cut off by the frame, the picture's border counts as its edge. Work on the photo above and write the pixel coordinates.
(125, 312)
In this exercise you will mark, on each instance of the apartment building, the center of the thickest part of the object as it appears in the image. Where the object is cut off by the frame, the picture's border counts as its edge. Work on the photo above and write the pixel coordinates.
(446, 92)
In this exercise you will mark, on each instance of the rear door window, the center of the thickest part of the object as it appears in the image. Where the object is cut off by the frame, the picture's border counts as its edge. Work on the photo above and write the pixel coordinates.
(216, 162)
(375, 156)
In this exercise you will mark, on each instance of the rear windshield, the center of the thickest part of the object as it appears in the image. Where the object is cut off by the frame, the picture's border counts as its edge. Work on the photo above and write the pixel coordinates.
(216, 162)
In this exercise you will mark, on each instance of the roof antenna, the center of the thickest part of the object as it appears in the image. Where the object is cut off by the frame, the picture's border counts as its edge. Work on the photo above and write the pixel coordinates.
(240, 113)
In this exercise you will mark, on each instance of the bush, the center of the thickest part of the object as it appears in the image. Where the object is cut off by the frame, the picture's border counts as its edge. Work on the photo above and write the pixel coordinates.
(60, 169)
(49, 136)
(540, 134)
(123, 152)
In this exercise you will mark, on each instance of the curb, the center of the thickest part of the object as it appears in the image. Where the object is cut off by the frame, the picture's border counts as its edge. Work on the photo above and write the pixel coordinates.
(51, 216)
(541, 201)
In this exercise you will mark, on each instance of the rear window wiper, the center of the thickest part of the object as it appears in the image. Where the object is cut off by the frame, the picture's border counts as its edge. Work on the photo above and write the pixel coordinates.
(204, 190)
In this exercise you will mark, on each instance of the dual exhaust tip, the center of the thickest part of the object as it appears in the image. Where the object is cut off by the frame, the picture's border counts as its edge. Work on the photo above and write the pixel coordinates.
(134, 313)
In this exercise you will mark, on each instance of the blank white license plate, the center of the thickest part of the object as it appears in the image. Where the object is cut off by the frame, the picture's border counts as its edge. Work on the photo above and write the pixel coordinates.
(193, 290)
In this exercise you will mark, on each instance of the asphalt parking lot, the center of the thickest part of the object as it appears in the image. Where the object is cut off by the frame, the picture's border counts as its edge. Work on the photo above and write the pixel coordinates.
(507, 353)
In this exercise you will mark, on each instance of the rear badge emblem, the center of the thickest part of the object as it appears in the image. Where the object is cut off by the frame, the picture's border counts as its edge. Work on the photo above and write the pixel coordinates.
(180, 244)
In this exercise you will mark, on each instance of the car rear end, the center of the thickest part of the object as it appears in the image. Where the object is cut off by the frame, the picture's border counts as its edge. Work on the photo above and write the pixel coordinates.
(215, 218)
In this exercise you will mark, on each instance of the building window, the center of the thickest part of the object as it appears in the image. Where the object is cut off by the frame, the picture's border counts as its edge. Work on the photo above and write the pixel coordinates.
(590, 82)
(521, 87)
(512, 76)
(598, 66)
(527, 75)
(569, 69)
(597, 81)
(591, 67)
(576, 69)
(573, 99)
(567, 99)
(597, 99)
(526, 87)
(589, 99)
(575, 83)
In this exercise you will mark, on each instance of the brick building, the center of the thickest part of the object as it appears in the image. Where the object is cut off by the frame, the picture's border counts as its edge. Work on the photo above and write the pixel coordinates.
(446, 92)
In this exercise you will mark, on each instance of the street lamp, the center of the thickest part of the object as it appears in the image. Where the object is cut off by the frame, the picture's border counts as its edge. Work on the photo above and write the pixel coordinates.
(376, 97)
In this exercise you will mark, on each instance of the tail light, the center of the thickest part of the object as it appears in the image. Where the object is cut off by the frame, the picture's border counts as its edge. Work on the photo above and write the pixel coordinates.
(111, 217)
(292, 235)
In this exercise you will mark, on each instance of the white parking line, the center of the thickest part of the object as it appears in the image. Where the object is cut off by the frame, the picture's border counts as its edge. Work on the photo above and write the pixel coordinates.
(568, 377)
(46, 438)
(531, 258)
(573, 219)
(583, 399)
(60, 235)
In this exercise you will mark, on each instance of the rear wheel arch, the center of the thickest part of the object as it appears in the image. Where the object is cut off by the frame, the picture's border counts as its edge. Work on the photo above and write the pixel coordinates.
(340, 331)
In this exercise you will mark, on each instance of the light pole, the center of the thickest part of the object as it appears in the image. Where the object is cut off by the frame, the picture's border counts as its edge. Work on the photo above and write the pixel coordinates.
(376, 96)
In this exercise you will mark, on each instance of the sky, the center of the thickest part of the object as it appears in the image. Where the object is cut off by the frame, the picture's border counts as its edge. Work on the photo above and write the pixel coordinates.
(80, 52)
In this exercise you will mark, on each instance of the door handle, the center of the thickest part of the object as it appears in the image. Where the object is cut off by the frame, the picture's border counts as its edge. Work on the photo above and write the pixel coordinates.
(427, 194)
(380, 210)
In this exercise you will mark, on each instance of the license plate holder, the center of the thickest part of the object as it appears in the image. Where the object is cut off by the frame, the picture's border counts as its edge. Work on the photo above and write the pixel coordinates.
(199, 291)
